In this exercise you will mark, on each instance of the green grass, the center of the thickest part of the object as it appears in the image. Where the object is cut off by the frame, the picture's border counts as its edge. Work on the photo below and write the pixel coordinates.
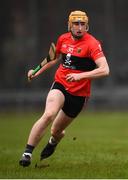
(100, 148)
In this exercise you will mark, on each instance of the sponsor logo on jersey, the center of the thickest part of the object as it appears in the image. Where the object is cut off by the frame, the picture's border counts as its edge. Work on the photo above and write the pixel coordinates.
(64, 46)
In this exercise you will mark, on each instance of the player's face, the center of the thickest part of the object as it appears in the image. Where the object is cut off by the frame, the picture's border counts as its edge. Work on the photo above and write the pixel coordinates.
(78, 29)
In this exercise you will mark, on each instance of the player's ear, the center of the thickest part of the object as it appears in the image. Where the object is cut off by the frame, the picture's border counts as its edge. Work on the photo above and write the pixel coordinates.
(87, 28)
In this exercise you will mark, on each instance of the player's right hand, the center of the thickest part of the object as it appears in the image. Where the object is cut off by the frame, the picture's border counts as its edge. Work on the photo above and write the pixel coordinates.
(30, 75)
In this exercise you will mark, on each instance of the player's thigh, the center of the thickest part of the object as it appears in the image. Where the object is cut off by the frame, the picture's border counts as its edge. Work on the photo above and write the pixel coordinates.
(55, 100)
(61, 122)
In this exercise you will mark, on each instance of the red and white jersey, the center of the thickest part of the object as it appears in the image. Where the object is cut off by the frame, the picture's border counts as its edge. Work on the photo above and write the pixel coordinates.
(77, 56)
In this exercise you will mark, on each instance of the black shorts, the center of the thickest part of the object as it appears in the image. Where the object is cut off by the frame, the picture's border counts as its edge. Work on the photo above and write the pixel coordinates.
(73, 104)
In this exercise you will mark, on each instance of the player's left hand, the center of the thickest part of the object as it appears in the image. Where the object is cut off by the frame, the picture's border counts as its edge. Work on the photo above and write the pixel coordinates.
(73, 77)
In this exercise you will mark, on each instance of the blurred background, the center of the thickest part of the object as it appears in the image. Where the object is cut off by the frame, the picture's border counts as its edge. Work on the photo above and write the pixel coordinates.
(27, 27)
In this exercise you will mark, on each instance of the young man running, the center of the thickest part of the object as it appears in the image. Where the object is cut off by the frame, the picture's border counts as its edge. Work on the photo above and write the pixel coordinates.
(82, 60)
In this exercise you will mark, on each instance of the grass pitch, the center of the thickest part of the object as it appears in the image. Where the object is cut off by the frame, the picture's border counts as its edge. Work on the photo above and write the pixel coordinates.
(95, 146)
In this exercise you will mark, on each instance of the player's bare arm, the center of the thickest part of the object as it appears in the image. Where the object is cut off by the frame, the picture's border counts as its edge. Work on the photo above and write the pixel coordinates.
(44, 68)
(101, 71)
(50, 57)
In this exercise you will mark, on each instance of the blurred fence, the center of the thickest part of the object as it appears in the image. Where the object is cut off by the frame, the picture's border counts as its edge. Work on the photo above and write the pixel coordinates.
(102, 99)
(29, 26)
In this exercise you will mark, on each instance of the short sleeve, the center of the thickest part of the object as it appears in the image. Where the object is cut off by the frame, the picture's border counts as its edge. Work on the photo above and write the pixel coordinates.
(58, 45)
(96, 50)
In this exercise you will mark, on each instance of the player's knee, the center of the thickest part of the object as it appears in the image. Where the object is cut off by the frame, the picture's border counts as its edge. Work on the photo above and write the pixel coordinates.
(49, 115)
(63, 133)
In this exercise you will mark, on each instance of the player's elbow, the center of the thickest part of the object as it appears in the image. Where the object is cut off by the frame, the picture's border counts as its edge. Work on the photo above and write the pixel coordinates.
(106, 71)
